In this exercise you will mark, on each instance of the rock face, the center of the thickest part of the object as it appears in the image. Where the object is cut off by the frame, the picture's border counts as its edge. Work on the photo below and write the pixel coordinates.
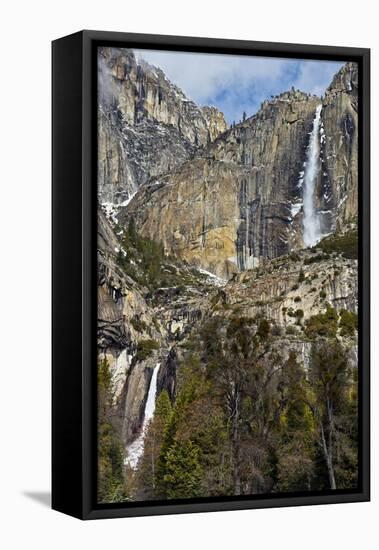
(124, 319)
(232, 204)
(146, 124)
(239, 200)
(217, 286)
(226, 201)
(215, 122)
(339, 141)
(284, 286)
(271, 147)
(288, 291)
(128, 316)
(194, 212)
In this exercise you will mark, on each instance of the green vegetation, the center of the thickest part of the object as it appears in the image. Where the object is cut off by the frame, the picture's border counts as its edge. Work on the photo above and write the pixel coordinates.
(348, 323)
(144, 261)
(182, 478)
(267, 434)
(138, 324)
(145, 348)
(294, 257)
(315, 259)
(111, 487)
(323, 324)
(263, 329)
(327, 324)
(276, 330)
(148, 467)
(346, 244)
(299, 313)
(333, 404)
(240, 415)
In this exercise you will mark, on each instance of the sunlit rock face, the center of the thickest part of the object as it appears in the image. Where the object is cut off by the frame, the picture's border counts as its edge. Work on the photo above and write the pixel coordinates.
(237, 212)
(233, 204)
(243, 197)
(193, 212)
(146, 124)
(271, 146)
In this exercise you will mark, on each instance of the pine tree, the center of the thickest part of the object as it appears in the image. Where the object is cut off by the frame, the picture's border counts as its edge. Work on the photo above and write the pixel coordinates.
(330, 380)
(183, 472)
(111, 486)
(295, 446)
(147, 482)
(132, 232)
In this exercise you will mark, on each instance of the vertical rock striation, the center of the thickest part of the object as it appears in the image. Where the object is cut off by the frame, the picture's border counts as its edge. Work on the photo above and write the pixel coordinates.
(120, 303)
(271, 146)
(146, 124)
(235, 202)
(339, 148)
(240, 199)
(229, 202)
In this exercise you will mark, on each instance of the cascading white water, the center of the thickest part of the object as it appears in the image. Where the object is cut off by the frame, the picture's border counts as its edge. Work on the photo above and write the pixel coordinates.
(311, 221)
(135, 450)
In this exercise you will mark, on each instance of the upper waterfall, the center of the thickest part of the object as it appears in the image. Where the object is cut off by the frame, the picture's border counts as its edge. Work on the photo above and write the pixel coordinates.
(311, 221)
(135, 449)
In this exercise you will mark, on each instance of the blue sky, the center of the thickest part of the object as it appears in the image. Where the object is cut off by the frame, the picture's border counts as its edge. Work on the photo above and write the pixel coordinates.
(239, 83)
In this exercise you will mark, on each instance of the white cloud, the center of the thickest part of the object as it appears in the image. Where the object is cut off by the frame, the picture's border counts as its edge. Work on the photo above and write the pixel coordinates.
(203, 75)
(239, 83)
(315, 76)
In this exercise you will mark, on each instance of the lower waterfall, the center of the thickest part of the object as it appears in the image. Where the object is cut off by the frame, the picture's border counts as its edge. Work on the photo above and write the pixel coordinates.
(135, 450)
(311, 221)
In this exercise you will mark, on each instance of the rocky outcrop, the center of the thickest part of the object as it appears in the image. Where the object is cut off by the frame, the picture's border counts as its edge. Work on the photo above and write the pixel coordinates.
(226, 201)
(193, 212)
(339, 141)
(232, 205)
(271, 146)
(129, 317)
(129, 155)
(215, 121)
(124, 320)
(239, 201)
(167, 374)
(288, 285)
(146, 124)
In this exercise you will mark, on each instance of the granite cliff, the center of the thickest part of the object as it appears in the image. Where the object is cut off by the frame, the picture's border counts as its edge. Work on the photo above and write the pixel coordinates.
(140, 320)
(146, 124)
(239, 199)
(238, 194)
(203, 240)
(339, 147)
(142, 324)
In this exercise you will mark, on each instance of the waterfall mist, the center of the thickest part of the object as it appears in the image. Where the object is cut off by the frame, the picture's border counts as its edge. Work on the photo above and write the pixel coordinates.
(311, 221)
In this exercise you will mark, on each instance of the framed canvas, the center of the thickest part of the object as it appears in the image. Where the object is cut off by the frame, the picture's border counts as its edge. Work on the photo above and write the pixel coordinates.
(210, 275)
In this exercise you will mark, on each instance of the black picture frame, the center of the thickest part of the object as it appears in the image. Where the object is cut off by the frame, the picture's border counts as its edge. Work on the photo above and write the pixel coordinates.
(74, 204)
